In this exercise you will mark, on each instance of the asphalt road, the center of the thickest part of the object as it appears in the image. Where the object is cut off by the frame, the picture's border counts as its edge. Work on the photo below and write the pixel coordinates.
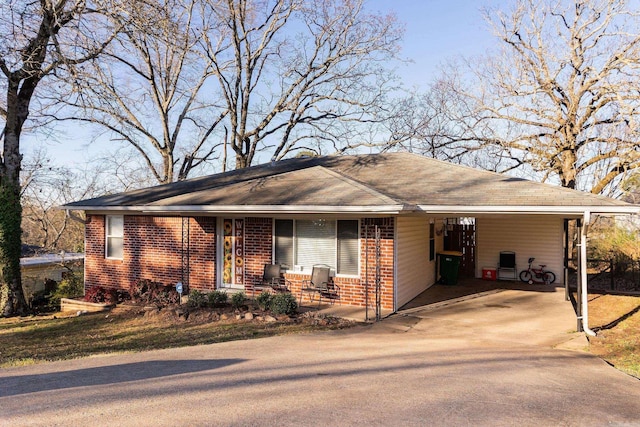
(490, 361)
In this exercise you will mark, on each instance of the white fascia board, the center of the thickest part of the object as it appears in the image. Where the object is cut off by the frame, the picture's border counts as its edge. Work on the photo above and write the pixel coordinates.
(387, 210)
(557, 210)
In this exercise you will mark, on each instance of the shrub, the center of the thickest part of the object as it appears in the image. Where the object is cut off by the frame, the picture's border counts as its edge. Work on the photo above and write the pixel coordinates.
(150, 292)
(264, 300)
(139, 290)
(284, 303)
(217, 298)
(101, 294)
(165, 295)
(197, 299)
(71, 286)
(237, 299)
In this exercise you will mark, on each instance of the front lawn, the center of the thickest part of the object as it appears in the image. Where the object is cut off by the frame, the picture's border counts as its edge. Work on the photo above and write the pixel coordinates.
(616, 319)
(130, 329)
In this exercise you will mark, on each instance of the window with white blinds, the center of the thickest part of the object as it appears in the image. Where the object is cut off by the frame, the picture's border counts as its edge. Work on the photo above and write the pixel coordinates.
(310, 242)
(315, 242)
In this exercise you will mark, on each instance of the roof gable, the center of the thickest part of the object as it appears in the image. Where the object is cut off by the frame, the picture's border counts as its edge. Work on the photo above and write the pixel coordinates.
(313, 186)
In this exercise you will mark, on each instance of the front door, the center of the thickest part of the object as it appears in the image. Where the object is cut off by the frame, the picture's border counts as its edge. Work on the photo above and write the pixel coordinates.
(232, 253)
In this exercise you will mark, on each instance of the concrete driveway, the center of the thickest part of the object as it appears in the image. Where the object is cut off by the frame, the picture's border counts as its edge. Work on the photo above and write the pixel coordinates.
(490, 361)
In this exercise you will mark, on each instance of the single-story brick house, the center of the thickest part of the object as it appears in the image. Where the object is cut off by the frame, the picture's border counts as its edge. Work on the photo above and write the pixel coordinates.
(219, 231)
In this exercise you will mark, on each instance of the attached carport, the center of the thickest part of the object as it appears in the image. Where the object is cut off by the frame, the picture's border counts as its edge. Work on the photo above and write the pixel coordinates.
(536, 231)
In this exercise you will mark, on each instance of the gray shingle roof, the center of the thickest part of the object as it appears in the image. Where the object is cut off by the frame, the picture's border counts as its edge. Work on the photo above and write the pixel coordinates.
(399, 181)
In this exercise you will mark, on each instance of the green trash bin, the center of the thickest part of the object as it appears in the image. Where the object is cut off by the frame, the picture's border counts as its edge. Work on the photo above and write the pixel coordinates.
(449, 267)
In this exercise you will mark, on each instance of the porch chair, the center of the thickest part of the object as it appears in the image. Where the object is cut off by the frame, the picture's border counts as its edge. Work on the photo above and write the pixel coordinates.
(507, 266)
(320, 283)
(272, 279)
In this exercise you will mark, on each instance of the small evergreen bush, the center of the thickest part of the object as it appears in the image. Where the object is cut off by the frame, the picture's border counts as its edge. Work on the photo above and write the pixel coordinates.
(264, 301)
(284, 303)
(217, 298)
(197, 299)
(237, 300)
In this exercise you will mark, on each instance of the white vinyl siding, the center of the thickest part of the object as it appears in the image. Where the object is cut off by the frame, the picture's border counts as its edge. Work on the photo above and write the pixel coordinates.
(536, 236)
(114, 236)
(414, 272)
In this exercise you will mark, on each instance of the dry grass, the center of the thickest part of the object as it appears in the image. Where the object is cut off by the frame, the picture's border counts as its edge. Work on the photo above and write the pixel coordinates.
(34, 340)
(616, 318)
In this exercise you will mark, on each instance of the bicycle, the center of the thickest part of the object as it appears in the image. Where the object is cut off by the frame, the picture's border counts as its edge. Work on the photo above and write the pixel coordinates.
(537, 275)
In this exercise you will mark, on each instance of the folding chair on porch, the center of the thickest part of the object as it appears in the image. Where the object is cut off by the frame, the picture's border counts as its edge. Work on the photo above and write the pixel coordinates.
(272, 278)
(320, 283)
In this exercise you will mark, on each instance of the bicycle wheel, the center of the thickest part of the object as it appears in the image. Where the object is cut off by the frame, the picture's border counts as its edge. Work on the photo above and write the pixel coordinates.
(549, 277)
(525, 276)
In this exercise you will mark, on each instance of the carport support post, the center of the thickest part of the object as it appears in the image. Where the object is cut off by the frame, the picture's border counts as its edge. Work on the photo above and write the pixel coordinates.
(584, 309)
(566, 260)
(579, 278)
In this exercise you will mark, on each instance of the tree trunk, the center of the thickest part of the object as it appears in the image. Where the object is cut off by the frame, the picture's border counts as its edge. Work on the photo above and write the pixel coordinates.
(568, 161)
(10, 232)
(18, 98)
(10, 247)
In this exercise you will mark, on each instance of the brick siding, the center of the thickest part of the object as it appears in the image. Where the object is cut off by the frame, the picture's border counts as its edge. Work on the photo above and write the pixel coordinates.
(153, 249)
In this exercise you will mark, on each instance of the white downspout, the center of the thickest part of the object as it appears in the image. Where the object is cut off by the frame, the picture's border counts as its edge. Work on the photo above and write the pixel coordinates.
(583, 274)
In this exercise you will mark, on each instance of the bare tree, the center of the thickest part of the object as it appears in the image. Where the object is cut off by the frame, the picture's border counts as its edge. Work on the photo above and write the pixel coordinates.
(433, 124)
(145, 90)
(38, 40)
(45, 186)
(558, 101)
(562, 96)
(297, 75)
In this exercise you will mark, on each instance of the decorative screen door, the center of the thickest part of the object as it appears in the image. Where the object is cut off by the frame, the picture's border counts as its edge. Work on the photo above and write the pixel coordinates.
(233, 252)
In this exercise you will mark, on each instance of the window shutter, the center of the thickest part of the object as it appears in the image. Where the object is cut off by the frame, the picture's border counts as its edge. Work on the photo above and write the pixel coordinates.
(348, 247)
(315, 243)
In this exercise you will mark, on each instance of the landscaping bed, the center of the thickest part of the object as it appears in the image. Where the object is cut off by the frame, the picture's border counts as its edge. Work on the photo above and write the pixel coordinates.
(152, 316)
(132, 327)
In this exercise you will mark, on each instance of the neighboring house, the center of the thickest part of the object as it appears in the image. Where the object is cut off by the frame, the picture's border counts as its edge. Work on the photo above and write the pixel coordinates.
(39, 269)
(218, 231)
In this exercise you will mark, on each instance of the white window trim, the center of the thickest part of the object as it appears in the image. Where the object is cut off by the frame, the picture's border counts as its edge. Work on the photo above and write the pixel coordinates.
(107, 236)
(334, 268)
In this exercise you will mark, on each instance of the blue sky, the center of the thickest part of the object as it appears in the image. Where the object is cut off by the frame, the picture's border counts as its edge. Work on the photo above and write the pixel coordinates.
(434, 31)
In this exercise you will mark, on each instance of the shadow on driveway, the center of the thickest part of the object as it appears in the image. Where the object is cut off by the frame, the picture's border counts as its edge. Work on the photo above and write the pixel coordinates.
(105, 375)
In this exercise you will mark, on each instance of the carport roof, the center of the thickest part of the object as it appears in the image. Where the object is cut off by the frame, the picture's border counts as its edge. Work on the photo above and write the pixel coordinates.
(387, 183)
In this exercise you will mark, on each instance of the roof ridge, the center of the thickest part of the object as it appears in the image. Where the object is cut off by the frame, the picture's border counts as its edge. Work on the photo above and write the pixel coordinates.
(359, 185)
